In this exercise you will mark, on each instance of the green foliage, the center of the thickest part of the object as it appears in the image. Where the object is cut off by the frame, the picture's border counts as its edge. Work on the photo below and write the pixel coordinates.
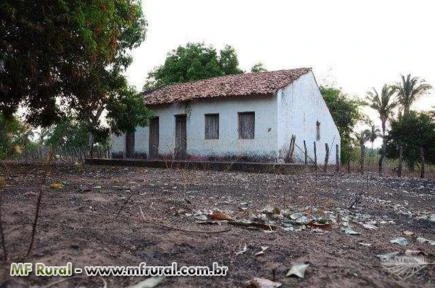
(346, 114)
(409, 89)
(383, 103)
(58, 56)
(258, 68)
(14, 137)
(412, 131)
(69, 134)
(192, 62)
(128, 113)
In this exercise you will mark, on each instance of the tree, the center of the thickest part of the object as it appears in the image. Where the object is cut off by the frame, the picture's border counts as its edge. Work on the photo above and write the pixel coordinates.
(345, 112)
(259, 67)
(409, 90)
(58, 56)
(192, 62)
(374, 133)
(14, 136)
(362, 137)
(384, 104)
(411, 132)
(128, 113)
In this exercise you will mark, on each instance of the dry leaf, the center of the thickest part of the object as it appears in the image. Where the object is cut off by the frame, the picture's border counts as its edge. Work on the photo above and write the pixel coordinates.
(56, 185)
(2, 182)
(148, 283)
(263, 248)
(218, 215)
(404, 266)
(349, 231)
(408, 233)
(297, 270)
(369, 226)
(399, 240)
(245, 248)
(263, 283)
(424, 240)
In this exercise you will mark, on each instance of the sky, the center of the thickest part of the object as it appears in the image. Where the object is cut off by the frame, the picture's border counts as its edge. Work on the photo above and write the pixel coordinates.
(354, 45)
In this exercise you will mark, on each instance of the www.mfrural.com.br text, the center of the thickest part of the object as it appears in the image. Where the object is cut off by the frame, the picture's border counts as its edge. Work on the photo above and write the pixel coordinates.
(173, 270)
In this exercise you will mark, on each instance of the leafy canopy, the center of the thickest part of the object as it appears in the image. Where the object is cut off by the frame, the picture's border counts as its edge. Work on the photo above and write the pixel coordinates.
(66, 57)
(412, 131)
(345, 112)
(192, 62)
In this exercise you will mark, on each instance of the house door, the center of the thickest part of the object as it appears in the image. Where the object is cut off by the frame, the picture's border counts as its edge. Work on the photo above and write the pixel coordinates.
(129, 145)
(154, 138)
(180, 137)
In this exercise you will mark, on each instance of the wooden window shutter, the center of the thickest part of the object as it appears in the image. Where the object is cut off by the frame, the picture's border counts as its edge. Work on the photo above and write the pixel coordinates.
(246, 125)
(211, 126)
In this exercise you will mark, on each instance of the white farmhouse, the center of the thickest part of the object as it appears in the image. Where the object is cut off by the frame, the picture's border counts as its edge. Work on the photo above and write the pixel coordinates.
(248, 116)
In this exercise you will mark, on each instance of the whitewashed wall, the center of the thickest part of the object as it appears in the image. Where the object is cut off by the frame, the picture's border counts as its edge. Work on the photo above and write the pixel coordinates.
(264, 143)
(300, 106)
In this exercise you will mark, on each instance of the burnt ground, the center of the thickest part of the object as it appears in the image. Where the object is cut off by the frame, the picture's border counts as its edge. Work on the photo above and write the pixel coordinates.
(95, 219)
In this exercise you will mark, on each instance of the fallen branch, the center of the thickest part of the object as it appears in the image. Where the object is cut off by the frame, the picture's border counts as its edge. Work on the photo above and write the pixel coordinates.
(38, 202)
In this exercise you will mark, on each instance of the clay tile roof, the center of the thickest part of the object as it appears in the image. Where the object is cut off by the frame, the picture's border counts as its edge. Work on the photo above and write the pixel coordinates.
(263, 83)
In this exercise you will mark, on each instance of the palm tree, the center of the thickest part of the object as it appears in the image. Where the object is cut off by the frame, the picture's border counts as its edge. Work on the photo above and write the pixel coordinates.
(384, 105)
(409, 90)
(362, 137)
(374, 133)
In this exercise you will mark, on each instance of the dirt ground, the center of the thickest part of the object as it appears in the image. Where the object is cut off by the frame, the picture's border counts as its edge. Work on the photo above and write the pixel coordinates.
(95, 219)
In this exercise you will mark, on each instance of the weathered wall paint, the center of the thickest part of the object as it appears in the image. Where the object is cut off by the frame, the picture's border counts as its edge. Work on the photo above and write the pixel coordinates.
(300, 106)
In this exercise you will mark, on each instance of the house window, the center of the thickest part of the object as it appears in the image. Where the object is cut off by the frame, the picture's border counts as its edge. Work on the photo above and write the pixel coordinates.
(211, 126)
(246, 125)
(317, 130)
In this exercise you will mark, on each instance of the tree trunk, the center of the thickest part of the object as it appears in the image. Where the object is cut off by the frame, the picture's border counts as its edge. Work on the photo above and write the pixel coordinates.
(381, 159)
(421, 162)
(399, 169)
(315, 156)
(91, 144)
(363, 152)
(337, 159)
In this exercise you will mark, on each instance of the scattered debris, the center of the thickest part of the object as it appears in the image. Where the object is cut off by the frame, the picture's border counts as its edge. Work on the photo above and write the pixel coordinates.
(263, 249)
(424, 240)
(387, 255)
(297, 270)
(244, 249)
(148, 283)
(404, 267)
(349, 231)
(408, 233)
(365, 244)
(262, 283)
(56, 185)
(218, 215)
(399, 240)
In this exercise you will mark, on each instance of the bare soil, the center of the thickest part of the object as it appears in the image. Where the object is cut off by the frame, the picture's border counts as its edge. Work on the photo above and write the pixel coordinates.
(95, 219)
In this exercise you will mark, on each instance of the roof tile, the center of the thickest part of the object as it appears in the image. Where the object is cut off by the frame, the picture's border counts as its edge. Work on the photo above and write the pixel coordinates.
(263, 83)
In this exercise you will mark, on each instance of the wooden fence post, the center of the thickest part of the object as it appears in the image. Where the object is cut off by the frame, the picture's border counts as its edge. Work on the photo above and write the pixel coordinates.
(399, 169)
(325, 168)
(337, 159)
(315, 156)
(305, 153)
(421, 162)
(289, 157)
